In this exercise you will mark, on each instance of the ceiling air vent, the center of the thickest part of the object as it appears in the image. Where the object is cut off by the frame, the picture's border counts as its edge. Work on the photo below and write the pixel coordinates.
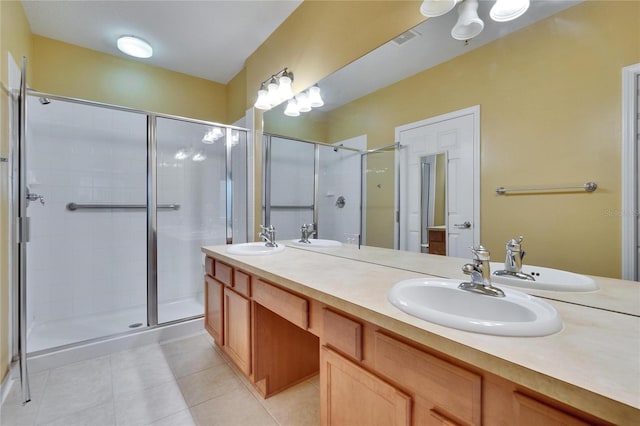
(405, 37)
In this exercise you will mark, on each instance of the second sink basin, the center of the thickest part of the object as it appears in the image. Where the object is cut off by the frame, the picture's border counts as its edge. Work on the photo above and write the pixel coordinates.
(545, 279)
(254, 249)
(441, 301)
(317, 243)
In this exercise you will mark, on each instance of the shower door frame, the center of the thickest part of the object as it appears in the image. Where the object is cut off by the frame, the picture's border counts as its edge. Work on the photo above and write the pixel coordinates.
(266, 174)
(19, 188)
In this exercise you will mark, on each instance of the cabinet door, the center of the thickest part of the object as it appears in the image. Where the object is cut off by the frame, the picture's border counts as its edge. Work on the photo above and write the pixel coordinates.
(213, 319)
(237, 329)
(352, 396)
(529, 412)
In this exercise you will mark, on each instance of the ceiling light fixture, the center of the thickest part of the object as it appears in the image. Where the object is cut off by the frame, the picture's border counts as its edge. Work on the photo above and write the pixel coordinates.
(134, 46)
(469, 24)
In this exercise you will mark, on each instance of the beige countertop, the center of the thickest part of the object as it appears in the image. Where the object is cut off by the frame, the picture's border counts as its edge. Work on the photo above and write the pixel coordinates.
(593, 364)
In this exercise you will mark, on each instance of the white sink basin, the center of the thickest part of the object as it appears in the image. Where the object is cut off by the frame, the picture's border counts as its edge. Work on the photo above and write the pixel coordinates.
(441, 301)
(545, 279)
(319, 243)
(254, 249)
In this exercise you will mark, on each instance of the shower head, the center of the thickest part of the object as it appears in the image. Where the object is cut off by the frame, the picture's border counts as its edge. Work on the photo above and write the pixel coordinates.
(44, 101)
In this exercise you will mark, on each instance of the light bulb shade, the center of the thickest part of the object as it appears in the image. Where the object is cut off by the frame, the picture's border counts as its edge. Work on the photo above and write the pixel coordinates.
(273, 94)
(134, 46)
(469, 23)
(433, 8)
(304, 104)
(508, 10)
(212, 135)
(182, 154)
(263, 100)
(292, 109)
(284, 86)
(314, 97)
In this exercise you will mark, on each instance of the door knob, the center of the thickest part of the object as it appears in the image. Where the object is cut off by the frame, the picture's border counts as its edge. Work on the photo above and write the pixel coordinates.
(465, 225)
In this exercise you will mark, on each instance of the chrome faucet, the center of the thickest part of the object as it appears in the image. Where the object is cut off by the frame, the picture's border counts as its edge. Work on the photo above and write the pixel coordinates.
(307, 230)
(480, 272)
(268, 234)
(513, 260)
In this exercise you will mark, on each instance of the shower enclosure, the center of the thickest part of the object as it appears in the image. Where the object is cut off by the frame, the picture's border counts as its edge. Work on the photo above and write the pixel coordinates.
(120, 202)
(309, 182)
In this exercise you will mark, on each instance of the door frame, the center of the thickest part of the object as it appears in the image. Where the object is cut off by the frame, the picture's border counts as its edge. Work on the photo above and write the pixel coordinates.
(474, 111)
(630, 172)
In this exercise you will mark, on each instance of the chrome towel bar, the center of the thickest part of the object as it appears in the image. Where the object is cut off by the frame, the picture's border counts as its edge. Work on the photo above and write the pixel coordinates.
(77, 206)
(588, 187)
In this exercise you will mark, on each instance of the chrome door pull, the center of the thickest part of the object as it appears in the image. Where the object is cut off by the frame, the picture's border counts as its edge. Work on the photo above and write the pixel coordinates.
(465, 225)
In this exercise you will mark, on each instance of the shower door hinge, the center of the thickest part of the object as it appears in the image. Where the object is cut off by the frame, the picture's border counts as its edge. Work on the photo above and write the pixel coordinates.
(24, 229)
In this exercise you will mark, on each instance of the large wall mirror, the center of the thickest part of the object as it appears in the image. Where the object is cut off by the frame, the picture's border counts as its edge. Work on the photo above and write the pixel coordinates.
(548, 90)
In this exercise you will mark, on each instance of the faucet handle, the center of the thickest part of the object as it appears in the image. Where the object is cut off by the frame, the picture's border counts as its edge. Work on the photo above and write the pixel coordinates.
(481, 253)
(515, 243)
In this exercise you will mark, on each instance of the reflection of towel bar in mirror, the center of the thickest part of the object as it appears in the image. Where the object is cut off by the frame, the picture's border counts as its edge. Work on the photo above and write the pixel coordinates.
(587, 187)
(76, 206)
(292, 207)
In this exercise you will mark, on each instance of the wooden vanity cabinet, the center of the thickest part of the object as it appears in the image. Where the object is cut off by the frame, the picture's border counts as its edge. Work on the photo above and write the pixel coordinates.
(437, 241)
(237, 329)
(213, 311)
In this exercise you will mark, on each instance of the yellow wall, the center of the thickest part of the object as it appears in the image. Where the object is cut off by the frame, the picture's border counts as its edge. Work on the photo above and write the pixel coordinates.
(69, 70)
(14, 39)
(550, 98)
(236, 96)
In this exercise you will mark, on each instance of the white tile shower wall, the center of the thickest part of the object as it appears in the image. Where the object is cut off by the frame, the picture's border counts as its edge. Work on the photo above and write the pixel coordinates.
(85, 262)
(340, 175)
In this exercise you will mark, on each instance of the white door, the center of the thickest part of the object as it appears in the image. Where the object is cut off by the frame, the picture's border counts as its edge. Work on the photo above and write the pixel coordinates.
(457, 135)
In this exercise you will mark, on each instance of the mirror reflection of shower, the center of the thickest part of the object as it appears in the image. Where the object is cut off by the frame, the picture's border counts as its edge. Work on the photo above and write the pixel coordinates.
(432, 203)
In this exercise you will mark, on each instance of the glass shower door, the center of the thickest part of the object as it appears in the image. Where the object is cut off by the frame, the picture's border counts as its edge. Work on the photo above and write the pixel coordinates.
(191, 213)
(86, 173)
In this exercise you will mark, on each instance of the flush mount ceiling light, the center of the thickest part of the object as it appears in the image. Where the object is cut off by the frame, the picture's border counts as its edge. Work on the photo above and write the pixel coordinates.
(134, 46)
(469, 24)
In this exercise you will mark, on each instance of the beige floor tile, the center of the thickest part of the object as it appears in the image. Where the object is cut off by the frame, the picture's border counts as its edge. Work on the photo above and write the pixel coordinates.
(197, 359)
(315, 381)
(235, 408)
(148, 405)
(139, 369)
(185, 345)
(207, 384)
(182, 418)
(296, 406)
(13, 412)
(74, 388)
(102, 415)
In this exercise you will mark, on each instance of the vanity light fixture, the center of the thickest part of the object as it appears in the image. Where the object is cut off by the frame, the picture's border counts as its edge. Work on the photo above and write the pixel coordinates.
(275, 89)
(469, 24)
(508, 10)
(314, 96)
(292, 109)
(303, 101)
(134, 46)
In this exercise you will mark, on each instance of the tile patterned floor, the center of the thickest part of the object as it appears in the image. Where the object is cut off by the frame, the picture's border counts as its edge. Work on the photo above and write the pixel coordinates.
(185, 382)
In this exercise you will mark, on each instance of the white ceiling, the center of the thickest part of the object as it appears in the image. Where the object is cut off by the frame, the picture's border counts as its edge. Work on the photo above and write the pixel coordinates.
(210, 39)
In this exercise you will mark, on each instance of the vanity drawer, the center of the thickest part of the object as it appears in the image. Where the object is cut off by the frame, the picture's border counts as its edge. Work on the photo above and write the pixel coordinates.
(342, 333)
(289, 306)
(223, 273)
(209, 266)
(242, 283)
(439, 386)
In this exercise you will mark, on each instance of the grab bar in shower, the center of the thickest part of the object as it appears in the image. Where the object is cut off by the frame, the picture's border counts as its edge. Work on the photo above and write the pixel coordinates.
(587, 187)
(77, 206)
